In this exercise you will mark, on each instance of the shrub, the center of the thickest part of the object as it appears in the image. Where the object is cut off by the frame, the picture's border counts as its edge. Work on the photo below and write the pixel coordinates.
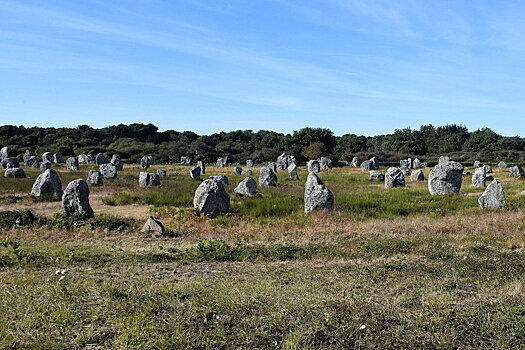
(17, 218)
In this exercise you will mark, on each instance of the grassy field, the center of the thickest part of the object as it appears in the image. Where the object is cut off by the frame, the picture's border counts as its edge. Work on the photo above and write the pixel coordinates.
(388, 269)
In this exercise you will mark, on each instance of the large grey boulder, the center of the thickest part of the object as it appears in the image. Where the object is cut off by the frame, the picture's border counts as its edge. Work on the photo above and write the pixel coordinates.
(417, 175)
(417, 163)
(516, 172)
(72, 163)
(220, 163)
(153, 227)
(45, 166)
(11, 162)
(272, 166)
(367, 165)
(375, 163)
(477, 164)
(405, 164)
(316, 196)
(28, 154)
(32, 162)
(313, 166)
(406, 171)
(221, 178)
(443, 159)
(247, 172)
(284, 161)
(186, 160)
(101, 158)
(47, 183)
(356, 162)
(83, 158)
(377, 176)
(57, 158)
(325, 163)
(237, 170)
(15, 172)
(249, 163)
(479, 178)
(267, 177)
(108, 171)
(90, 159)
(146, 162)
(116, 161)
(493, 197)
(292, 172)
(488, 169)
(195, 172)
(502, 165)
(445, 178)
(394, 177)
(47, 156)
(202, 165)
(4, 153)
(246, 187)
(148, 179)
(95, 178)
(161, 172)
(75, 199)
(211, 197)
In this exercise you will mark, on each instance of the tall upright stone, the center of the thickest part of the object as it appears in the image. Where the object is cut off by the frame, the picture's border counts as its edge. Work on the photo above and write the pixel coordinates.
(211, 197)
(516, 172)
(195, 172)
(316, 196)
(108, 171)
(493, 197)
(292, 172)
(146, 162)
(48, 183)
(267, 177)
(394, 177)
(72, 163)
(356, 162)
(202, 165)
(117, 162)
(284, 161)
(417, 175)
(313, 166)
(325, 163)
(148, 179)
(47, 156)
(101, 158)
(75, 199)
(445, 178)
(479, 178)
(247, 187)
(95, 178)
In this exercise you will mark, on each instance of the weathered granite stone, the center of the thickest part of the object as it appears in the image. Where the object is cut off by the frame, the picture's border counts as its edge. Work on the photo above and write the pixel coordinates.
(394, 177)
(480, 177)
(445, 177)
(15, 172)
(161, 172)
(444, 159)
(284, 161)
(477, 164)
(108, 171)
(246, 187)
(247, 172)
(417, 175)
(249, 163)
(202, 165)
(325, 163)
(186, 160)
(75, 199)
(356, 162)
(488, 169)
(221, 178)
(45, 166)
(316, 196)
(101, 158)
(502, 165)
(47, 183)
(292, 172)
(32, 162)
(220, 163)
(267, 177)
(153, 227)
(148, 179)
(95, 178)
(417, 163)
(72, 163)
(195, 172)
(493, 197)
(83, 158)
(516, 172)
(47, 156)
(117, 162)
(57, 158)
(272, 166)
(146, 162)
(11, 162)
(211, 197)
(237, 170)
(377, 176)
(313, 166)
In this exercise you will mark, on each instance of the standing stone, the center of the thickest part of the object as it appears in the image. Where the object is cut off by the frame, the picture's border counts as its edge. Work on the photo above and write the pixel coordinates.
(417, 163)
(4, 153)
(273, 166)
(246, 187)
(27, 155)
(202, 165)
(11, 162)
(480, 177)
(153, 227)
(32, 162)
(186, 160)
(325, 163)
(488, 169)
(221, 178)
(47, 183)
(356, 162)
(443, 159)
(47, 156)
(117, 162)
(417, 175)
(72, 163)
(82, 158)
(493, 197)
(220, 163)
(406, 171)
(211, 197)
(477, 164)
(75, 199)
(108, 171)
(316, 196)
(56, 158)
(247, 172)
(95, 178)
(267, 177)
(445, 178)
(367, 165)
(146, 162)
(375, 163)
(101, 158)
(195, 172)
(502, 165)
(15, 172)
(394, 177)
(161, 172)
(405, 164)
(313, 166)
(284, 161)
(45, 166)
(377, 176)
(90, 159)
(237, 170)
(148, 179)
(292, 172)
(516, 172)
(249, 163)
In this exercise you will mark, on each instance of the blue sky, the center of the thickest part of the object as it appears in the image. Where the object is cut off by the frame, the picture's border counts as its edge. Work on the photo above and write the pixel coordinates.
(365, 67)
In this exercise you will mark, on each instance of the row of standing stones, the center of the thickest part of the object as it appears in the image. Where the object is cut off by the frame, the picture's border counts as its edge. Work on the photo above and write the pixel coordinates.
(211, 196)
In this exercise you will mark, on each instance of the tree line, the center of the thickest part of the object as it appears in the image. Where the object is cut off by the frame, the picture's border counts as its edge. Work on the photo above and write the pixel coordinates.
(135, 140)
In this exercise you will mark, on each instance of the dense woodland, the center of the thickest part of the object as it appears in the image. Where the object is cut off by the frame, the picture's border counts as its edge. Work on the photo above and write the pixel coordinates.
(135, 140)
